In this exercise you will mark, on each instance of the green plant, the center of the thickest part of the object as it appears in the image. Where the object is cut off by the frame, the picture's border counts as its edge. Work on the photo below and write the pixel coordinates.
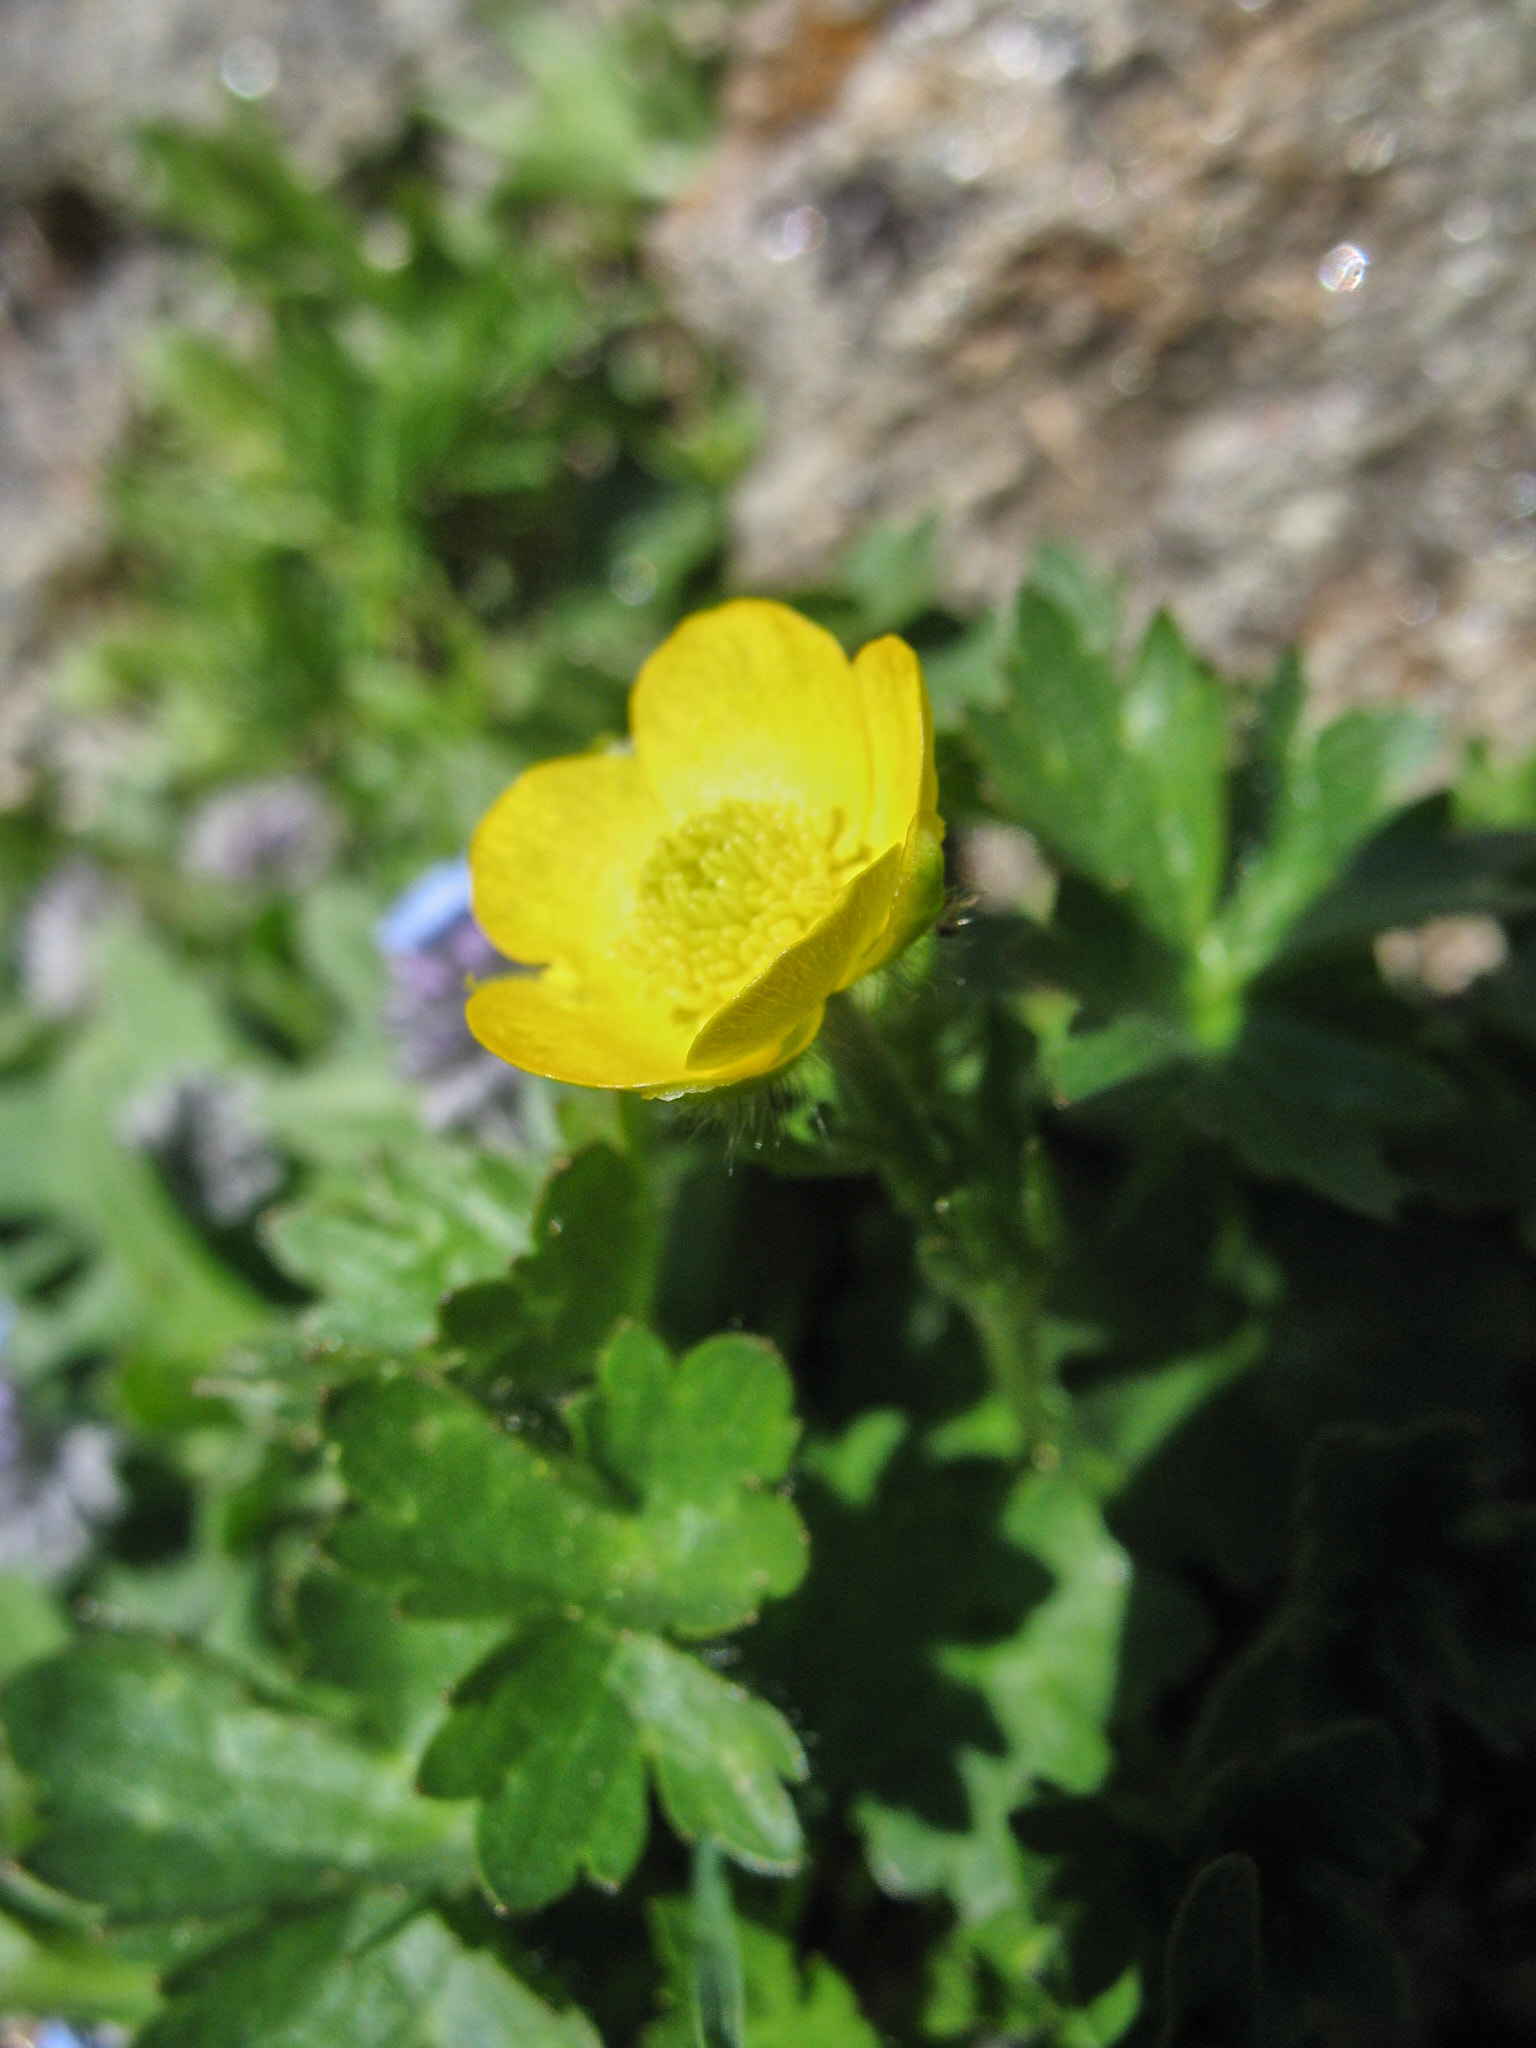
(1025, 1532)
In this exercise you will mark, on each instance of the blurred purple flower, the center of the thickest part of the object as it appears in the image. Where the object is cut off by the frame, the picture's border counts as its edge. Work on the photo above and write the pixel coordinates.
(45, 1518)
(433, 948)
(56, 940)
(201, 1129)
(52, 1493)
(281, 832)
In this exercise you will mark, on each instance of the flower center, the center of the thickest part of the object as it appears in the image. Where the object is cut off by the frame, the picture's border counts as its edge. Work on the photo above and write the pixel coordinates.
(726, 894)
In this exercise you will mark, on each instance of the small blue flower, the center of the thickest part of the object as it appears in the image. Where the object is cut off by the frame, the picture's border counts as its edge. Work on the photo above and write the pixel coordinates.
(55, 2034)
(426, 911)
(434, 952)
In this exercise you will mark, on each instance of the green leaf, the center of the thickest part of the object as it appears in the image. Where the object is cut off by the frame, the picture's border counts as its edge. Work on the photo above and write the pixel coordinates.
(585, 130)
(234, 188)
(73, 1975)
(369, 1975)
(1334, 1795)
(790, 2002)
(1050, 1683)
(719, 1995)
(1403, 1545)
(383, 1248)
(457, 1517)
(28, 1169)
(1093, 949)
(966, 674)
(396, 1672)
(164, 1790)
(155, 1282)
(1301, 1102)
(1278, 1139)
(1124, 781)
(555, 1733)
(31, 1625)
(718, 1754)
(460, 1517)
(1050, 1687)
(727, 1407)
(540, 1329)
(1259, 774)
(1338, 786)
(1325, 1818)
(904, 1568)
(1090, 600)
(1083, 1063)
(1173, 721)
(539, 1734)
(1494, 790)
(1341, 1077)
(1416, 870)
(886, 578)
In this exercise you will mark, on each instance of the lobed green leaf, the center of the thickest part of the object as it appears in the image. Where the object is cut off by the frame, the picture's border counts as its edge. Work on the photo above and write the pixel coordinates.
(165, 1790)
(461, 1517)
(373, 1974)
(1125, 782)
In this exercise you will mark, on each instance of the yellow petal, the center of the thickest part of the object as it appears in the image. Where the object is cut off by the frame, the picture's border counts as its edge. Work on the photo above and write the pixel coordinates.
(900, 727)
(591, 1039)
(751, 701)
(545, 1025)
(918, 900)
(555, 859)
(797, 984)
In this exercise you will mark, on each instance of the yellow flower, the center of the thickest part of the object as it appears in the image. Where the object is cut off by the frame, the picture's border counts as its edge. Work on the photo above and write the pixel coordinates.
(693, 899)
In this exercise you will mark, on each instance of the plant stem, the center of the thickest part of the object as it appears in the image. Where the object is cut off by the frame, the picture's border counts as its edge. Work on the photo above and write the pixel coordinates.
(718, 2004)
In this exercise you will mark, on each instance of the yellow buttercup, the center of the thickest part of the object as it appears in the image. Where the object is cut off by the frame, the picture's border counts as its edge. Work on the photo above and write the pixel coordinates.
(771, 835)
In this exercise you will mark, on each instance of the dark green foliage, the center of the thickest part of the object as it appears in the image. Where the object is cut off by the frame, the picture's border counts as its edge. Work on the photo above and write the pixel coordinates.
(1361, 1510)
(863, 1633)
(1214, 1958)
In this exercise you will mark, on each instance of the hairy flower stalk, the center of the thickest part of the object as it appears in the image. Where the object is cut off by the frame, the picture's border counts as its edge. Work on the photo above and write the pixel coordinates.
(771, 836)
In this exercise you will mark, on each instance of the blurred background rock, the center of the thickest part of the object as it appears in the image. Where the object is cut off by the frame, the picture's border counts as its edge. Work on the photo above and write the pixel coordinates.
(1236, 293)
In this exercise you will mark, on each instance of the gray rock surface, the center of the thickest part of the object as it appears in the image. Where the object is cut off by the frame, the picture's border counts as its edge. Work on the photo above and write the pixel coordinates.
(1237, 295)
(75, 75)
